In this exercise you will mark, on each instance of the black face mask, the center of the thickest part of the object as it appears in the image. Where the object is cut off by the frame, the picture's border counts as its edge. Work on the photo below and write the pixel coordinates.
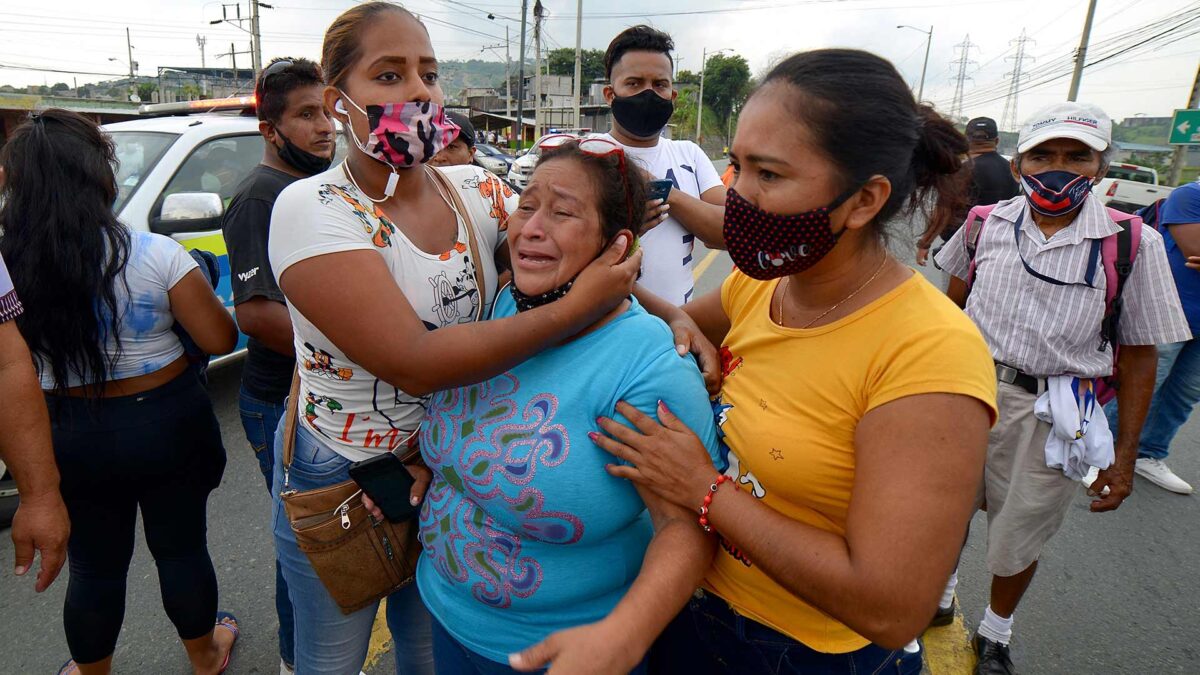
(643, 114)
(301, 160)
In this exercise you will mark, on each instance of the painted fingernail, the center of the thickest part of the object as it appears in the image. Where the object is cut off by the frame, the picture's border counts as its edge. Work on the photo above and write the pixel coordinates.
(663, 407)
(21, 570)
(414, 500)
(593, 435)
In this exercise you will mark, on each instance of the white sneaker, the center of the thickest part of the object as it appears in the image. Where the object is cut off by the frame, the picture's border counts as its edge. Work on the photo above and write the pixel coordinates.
(284, 669)
(1156, 471)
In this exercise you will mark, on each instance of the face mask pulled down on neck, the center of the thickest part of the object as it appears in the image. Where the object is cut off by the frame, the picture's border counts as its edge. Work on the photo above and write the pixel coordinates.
(1056, 193)
(403, 135)
(644, 114)
(767, 245)
(300, 159)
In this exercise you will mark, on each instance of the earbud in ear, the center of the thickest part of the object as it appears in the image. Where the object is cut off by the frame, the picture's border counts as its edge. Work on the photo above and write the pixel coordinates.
(340, 107)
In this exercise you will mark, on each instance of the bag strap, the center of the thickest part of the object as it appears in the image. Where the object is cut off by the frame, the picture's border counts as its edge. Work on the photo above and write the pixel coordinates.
(289, 425)
(1118, 253)
(972, 230)
(472, 240)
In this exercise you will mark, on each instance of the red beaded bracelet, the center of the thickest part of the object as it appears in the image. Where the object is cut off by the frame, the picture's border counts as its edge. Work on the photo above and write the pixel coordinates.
(712, 490)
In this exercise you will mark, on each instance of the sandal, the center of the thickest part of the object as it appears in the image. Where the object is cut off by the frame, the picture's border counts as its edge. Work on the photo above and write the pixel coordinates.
(229, 622)
(69, 668)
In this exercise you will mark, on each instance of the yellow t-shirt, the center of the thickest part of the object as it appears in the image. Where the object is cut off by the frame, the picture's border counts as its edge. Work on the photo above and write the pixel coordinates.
(789, 406)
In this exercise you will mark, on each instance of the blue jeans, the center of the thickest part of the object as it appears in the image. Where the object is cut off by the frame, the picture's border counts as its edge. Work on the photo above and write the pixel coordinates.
(259, 419)
(327, 641)
(453, 658)
(1176, 392)
(709, 638)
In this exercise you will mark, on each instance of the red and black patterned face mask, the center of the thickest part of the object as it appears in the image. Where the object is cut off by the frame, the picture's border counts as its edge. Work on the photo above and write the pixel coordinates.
(767, 245)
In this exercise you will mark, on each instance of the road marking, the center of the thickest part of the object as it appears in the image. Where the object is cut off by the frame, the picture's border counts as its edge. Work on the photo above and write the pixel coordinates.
(702, 266)
(948, 649)
(381, 638)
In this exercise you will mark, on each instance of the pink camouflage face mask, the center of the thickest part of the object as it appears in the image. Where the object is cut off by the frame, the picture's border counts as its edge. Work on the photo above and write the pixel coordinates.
(404, 135)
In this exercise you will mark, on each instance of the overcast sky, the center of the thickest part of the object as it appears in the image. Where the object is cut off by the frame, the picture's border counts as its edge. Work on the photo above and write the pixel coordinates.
(85, 35)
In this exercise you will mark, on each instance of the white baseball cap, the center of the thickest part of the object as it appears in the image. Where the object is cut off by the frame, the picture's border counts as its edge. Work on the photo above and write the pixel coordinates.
(1082, 121)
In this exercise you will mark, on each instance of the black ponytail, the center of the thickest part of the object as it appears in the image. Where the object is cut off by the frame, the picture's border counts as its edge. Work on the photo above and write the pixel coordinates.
(65, 249)
(866, 121)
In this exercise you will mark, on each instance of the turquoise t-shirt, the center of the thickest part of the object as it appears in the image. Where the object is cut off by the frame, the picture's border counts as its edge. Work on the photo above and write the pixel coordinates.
(524, 532)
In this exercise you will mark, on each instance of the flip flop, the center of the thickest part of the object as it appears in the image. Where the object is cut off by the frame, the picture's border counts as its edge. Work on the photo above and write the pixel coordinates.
(69, 667)
(229, 622)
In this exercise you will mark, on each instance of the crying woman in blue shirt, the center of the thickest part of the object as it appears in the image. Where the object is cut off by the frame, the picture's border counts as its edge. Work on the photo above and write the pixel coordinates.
(533, 554)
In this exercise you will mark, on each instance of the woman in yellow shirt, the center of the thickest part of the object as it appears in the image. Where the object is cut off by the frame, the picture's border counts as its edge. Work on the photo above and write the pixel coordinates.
(856, 401)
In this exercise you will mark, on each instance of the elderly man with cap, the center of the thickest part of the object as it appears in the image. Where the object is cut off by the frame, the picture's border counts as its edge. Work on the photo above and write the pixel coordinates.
(1040, 303)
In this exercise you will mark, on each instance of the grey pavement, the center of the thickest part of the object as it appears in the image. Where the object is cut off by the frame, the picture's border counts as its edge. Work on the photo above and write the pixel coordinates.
(1116, 593)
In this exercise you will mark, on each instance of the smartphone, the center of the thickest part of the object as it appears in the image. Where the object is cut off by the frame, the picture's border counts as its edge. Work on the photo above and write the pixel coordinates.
(660, 189)
(385, 480)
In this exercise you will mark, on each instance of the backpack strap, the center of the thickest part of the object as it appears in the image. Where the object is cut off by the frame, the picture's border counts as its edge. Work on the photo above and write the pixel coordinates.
(1118, 252)
(971, 231)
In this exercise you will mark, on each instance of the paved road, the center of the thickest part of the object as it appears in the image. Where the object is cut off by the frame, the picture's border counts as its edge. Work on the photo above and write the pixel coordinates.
(1117, 593)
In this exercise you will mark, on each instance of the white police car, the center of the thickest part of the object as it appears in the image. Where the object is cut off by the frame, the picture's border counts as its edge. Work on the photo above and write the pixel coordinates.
(180, 167)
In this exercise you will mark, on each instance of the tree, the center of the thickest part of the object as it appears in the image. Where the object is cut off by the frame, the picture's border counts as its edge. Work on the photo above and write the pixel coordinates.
(686, 77)
(189, 92)
(726, 86)
(591, 63)
(145, 91)
(684, 117)
(59, 87)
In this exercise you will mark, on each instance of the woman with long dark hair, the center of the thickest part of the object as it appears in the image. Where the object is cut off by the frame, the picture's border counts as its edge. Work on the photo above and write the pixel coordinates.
(133, 427)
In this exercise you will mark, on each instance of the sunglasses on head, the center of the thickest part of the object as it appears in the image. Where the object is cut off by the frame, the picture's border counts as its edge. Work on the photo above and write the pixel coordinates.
(596, 147)
(276, 68)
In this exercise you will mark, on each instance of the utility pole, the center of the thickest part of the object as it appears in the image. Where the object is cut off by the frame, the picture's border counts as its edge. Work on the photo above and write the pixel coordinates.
(1009, 120)
(1181, 150)
(233, 52)
(255, 39)
(1081, 53)
(578, 56)
(962, 62)
(507, 74)
(700, 96)
(537, 70)
(132, 66)
(201, 40)
(521, 79)
(925, 67)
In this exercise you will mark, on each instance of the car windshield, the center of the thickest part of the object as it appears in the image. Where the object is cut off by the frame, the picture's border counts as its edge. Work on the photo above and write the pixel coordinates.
(1135, 175)
(137, 153)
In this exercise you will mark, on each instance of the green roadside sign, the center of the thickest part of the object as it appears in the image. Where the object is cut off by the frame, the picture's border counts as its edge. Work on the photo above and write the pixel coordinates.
(1185, 127)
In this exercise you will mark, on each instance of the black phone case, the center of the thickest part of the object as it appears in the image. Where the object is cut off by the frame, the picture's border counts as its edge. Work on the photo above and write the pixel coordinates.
(392, 499)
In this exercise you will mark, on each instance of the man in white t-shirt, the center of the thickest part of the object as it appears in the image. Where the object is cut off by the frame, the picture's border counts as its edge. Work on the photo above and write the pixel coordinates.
(640, 91)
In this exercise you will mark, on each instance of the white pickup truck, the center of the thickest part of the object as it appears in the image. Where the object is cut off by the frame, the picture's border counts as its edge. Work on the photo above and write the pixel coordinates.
(1129, 187)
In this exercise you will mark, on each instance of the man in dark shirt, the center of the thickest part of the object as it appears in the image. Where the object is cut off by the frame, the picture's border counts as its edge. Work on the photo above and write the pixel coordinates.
(991, 176)
(299, 143)
(991, 180)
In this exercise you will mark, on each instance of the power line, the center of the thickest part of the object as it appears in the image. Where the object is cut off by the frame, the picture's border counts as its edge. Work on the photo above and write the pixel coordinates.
(1134, 39)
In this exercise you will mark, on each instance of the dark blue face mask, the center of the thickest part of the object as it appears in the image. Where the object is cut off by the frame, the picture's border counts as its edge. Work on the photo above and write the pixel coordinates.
(1056, 193)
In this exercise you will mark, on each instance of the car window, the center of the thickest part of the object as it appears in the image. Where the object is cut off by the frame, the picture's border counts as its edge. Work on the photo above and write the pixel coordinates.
(137, 152)
(218, 165)
(1135, 175)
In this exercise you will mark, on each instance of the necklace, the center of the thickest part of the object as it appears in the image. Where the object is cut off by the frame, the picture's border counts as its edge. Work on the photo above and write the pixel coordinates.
(787, 284)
